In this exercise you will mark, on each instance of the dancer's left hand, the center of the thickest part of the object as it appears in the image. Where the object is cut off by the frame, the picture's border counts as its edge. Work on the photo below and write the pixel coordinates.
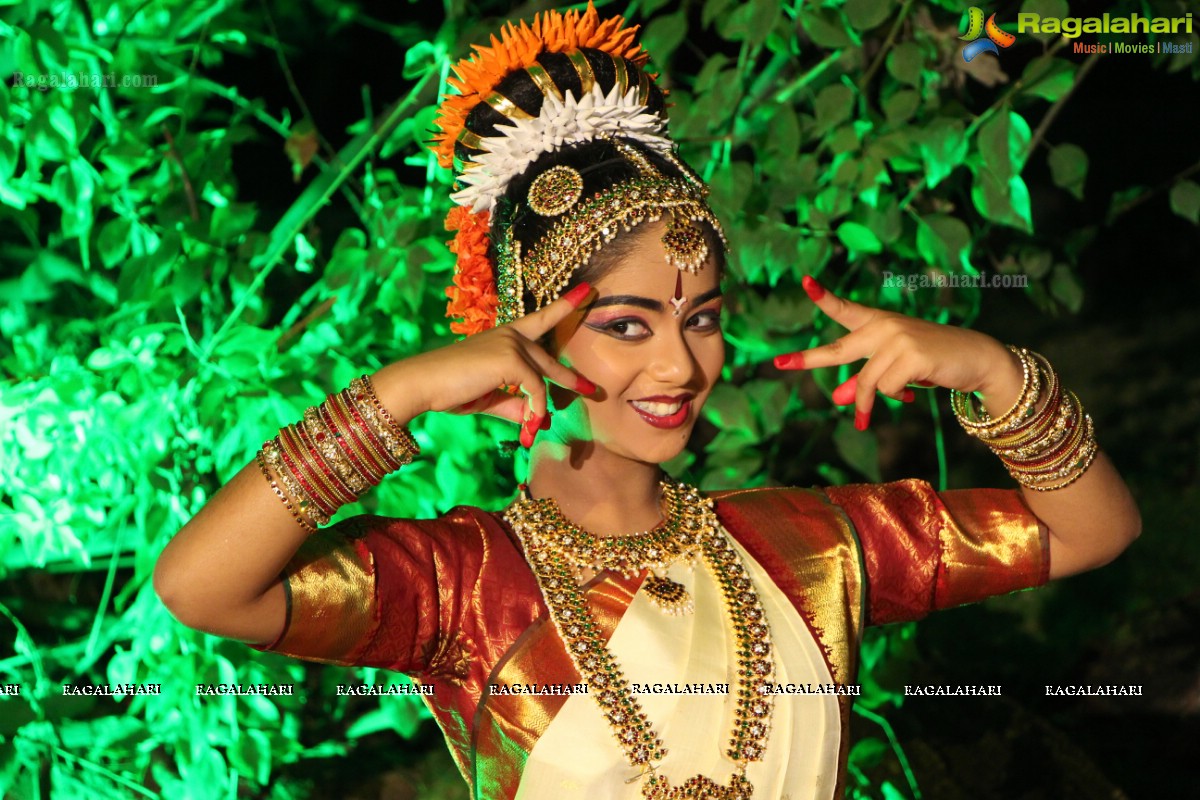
(903, 351)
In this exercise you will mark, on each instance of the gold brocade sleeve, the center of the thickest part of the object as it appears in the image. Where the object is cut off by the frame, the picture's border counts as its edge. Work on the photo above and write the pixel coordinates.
(924, 551)
(347, 579)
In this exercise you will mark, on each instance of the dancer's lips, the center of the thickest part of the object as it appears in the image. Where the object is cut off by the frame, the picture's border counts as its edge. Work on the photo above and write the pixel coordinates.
(662, 411)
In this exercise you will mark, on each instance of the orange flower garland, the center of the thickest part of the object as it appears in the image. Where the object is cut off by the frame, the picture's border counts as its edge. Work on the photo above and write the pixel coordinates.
(517, 48)
(473, 297)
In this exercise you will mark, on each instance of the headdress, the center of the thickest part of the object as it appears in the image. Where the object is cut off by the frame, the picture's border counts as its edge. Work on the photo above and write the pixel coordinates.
(577, 45)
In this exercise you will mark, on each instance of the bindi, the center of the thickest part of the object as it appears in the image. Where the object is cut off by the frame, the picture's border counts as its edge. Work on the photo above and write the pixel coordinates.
(678, 300)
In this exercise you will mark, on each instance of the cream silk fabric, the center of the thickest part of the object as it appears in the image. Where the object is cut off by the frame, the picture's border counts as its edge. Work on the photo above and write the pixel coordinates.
(578, 757)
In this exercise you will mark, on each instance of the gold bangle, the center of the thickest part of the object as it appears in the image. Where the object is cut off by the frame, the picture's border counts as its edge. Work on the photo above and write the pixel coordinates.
(306, 473)
(308, 505)
(366, 438)
(305, 523)
(982, 425)
(355, 449)
(398, 439)
(322, 438)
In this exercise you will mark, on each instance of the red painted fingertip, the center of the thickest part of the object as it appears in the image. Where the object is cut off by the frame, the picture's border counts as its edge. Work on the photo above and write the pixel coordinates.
(926, 384)
(814, 290)
(544, 424)
(789, 361)
(844, 394)
(584, 386)
(861, 420)
(527, 435)
(907, 396)
(577, 295)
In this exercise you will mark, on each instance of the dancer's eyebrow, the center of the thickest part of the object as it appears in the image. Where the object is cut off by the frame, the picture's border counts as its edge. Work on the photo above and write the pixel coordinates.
(646, 302)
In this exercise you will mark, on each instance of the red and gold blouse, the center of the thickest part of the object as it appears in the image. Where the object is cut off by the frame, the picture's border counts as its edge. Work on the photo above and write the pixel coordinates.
(452, 603)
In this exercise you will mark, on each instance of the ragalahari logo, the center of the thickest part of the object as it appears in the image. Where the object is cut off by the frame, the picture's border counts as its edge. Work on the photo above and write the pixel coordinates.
(976, 28)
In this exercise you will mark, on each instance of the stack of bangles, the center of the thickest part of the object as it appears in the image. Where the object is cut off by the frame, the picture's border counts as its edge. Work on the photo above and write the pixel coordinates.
(1045, 440)
(338, 451)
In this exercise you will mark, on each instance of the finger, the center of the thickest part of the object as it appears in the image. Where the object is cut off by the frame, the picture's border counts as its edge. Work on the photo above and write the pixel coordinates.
(894, 381)
(847, 313)
(849, 348)
(846, 393)
(537, 400)
(537, 324)
(558, 373)
(497, 403)
(865, 388)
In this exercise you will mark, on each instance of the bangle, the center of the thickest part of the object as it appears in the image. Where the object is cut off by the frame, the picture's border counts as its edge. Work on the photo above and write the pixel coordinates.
(980, 424)
(304, 521)
(335, 453)
(318, 432)
(398, 440)
(304, 502)
(1046, 441)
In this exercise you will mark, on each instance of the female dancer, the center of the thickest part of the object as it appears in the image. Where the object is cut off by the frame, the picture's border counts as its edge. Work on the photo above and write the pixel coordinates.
(589, 270)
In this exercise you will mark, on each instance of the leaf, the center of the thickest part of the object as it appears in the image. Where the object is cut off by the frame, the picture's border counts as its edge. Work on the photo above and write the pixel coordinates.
(1065, 288)
(858, 238)
(1002, 142)
(943, 146)
(859, 449)
(945, 242)
(112, 243)
(1036, 263)
(1185, 200)
(242, 348)
(904, 63)
(420, 58)
(664, 34)
(728, 408)
(901, 106)
(1006, 204)
(1049, 79)
(751, 22)
(824, 27)
(252, 756)
(863, 15)
(714, 9)
(1068, 168)
(832, 105)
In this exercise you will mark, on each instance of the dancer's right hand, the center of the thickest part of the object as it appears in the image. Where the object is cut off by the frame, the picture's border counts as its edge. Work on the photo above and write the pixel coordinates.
(467, 377)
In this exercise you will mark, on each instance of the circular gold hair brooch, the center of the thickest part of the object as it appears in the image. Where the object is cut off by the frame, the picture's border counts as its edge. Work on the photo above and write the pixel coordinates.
(555, 191)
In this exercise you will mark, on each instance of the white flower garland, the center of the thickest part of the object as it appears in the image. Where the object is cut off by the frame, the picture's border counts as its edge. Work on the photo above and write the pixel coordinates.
(561, 123)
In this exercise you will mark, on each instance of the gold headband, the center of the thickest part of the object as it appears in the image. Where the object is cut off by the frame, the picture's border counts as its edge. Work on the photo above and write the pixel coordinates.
(586, 227)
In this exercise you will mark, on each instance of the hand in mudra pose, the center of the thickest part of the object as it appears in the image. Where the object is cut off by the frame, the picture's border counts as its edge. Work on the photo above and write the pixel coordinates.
(902, 351)
(467, 377)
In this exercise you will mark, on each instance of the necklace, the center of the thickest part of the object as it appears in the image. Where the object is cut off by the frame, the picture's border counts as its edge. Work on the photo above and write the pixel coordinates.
(676, 538)
(555, 548)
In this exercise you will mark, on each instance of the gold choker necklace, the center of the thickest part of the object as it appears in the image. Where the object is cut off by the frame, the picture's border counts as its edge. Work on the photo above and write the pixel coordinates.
(555, 549)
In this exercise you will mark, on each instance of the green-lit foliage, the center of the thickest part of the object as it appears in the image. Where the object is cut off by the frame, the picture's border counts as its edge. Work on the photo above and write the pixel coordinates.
(155, 326)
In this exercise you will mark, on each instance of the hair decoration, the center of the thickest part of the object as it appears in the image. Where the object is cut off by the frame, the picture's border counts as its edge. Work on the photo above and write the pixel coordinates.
(586, 228)
(517, 48)
(561, 123)
(473, 298)
(555, 191)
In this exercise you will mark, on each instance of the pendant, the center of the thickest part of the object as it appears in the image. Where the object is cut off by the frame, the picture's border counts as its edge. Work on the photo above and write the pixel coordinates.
(699, 787)
(668, 595)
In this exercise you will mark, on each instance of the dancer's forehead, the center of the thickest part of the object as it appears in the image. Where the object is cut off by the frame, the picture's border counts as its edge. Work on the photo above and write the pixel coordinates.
(638, 273)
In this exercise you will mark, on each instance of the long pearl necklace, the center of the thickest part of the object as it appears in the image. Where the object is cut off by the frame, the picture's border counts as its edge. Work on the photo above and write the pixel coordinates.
(556, 548)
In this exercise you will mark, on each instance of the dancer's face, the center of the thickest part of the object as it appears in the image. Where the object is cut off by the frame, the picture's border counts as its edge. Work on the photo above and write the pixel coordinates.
(655, 368)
